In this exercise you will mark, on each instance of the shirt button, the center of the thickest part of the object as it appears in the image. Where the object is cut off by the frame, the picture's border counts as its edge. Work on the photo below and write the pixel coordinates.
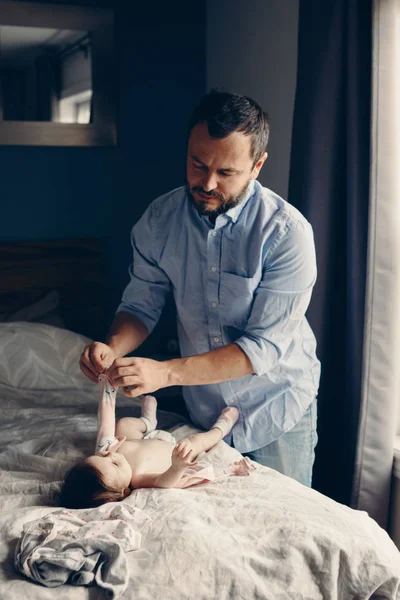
(213, 268)
(214, 233)
(216, 339)
(214, 305)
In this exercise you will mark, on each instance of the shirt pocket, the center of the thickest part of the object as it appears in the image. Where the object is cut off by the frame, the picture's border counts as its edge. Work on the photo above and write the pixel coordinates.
(236, 298)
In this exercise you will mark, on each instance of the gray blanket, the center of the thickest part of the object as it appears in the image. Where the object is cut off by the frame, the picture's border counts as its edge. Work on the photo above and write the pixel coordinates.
(81, 547)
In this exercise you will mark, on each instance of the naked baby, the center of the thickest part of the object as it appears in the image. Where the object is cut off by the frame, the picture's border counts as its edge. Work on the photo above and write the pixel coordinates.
(132, 454)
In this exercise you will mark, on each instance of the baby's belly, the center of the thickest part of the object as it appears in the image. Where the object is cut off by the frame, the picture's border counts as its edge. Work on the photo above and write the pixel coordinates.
(147, 456)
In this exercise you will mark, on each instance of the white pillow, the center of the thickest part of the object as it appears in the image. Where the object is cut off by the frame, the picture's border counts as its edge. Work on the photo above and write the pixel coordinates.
(41, 357)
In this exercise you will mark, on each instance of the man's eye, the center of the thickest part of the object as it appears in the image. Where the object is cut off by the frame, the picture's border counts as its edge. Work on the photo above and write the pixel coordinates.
(198, 167)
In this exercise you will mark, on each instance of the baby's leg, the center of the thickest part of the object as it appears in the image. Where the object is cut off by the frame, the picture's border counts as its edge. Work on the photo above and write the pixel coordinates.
(203, 442)
(226, 420)
(149, 410)
(134, 428)
(131, 428)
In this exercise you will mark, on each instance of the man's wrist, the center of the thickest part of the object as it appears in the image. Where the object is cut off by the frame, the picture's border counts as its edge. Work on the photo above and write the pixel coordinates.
(112, 343)
(175, 369)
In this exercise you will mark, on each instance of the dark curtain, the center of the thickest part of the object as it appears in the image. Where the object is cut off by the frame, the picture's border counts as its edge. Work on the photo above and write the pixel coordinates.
(12, 86)
(329, 184)
(46, 88)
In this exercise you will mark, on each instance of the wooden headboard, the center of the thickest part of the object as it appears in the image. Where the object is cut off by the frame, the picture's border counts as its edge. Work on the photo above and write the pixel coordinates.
(29, 271)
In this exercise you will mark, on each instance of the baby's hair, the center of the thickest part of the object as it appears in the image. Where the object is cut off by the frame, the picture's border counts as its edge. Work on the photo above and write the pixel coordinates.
(84, 487)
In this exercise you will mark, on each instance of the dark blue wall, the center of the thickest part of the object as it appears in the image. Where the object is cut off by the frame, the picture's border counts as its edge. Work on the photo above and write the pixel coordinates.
(61, 193)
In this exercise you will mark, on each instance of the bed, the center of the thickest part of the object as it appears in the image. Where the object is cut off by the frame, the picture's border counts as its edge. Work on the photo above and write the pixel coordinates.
(258, 537)
(241, 538)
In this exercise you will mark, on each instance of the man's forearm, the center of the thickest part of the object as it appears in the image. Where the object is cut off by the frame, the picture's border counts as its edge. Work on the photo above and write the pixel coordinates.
(223, 364)
(126, 334)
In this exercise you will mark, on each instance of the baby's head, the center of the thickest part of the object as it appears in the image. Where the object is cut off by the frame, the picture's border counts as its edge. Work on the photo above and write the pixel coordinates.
(97, 480)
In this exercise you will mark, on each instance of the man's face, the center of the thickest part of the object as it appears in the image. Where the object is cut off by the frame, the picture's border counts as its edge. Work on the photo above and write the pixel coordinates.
(218, 171)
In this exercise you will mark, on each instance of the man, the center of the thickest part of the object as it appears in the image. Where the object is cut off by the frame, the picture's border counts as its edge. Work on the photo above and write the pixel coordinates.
(241, 264)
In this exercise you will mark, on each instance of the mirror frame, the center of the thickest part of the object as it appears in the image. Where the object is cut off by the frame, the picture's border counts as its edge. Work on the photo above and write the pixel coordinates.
(100, 23)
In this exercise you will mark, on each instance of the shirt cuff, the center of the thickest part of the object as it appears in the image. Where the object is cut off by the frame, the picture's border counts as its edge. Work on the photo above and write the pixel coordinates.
(258, 353)
(147, 321)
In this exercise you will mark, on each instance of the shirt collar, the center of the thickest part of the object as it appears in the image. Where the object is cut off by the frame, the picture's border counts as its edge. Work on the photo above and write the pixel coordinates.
(234, 213)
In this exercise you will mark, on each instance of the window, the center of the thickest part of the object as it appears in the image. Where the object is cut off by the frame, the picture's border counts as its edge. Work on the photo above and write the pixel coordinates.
(75, 108)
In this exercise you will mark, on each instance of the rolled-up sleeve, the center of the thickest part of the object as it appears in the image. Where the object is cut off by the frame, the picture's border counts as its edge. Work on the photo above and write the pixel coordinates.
(149, 285)
(281, 299)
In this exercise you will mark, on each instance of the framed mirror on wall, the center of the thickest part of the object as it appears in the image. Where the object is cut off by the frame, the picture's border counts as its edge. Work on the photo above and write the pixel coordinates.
(57, 84)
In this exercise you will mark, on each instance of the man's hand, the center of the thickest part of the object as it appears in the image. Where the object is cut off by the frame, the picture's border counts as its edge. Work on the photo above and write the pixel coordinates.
(95, 359)
(139, 375)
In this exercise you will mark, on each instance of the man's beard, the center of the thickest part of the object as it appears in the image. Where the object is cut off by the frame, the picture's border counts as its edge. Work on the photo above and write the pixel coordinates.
(202, 207)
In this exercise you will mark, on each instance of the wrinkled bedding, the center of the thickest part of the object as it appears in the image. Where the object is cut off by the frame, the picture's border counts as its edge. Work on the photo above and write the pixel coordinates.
(258, 537)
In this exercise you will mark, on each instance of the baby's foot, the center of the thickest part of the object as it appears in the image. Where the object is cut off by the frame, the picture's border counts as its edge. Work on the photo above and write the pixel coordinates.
(242, 467)
(149, 410)
(196, 443)
(227, 419)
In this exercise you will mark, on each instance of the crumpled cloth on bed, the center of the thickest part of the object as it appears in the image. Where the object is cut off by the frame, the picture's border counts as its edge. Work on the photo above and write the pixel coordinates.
(81, 547)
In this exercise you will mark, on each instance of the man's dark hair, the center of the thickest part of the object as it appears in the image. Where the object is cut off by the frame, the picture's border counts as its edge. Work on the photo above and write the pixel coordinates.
(224, 113)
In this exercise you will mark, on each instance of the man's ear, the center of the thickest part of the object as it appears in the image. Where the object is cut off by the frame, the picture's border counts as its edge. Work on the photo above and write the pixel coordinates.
(258, 165)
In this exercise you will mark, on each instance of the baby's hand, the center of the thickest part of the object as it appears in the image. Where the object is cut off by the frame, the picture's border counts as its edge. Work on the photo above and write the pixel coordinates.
(182, 455)
(113, 447)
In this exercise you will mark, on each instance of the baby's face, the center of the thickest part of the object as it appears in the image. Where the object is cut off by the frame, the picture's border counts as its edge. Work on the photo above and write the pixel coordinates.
(114, 467)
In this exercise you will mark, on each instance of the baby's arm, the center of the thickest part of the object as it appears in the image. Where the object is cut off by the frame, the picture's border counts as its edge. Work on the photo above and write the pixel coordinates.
(105, 415)
(181, 458)
(169, 479)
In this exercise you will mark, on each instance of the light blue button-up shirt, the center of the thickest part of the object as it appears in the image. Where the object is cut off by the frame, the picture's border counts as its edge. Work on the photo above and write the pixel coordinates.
(248, 280)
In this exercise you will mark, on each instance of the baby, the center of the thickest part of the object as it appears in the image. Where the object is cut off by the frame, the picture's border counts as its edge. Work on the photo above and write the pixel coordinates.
(132, 454)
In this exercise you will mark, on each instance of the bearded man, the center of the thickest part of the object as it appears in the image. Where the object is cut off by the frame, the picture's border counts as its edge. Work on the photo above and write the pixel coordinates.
(240, 262)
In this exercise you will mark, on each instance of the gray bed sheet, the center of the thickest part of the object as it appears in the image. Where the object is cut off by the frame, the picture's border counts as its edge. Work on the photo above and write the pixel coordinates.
(241, 538)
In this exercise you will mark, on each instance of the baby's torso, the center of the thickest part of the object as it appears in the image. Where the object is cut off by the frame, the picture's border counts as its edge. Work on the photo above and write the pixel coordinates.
(146, 456)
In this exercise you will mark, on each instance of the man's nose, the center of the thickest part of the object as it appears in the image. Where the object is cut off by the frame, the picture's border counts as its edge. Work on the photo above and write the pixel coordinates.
(209, 183)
